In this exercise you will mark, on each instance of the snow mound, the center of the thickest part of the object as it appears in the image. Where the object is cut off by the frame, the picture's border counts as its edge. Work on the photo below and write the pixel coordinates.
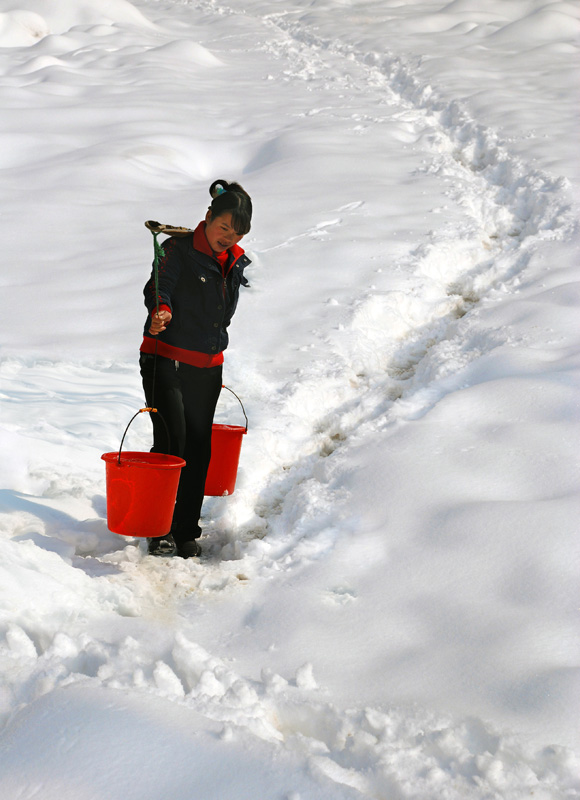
(554, 21)
(182, 51)
(21, 27)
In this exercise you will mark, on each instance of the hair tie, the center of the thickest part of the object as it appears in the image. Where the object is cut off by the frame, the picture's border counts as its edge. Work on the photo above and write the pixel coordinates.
(218, 187)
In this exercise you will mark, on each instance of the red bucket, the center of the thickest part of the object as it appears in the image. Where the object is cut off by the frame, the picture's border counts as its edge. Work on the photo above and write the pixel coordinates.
(141, 492)
(226, 444)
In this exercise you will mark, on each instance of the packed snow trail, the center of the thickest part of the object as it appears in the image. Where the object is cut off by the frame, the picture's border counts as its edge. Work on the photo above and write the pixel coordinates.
(333, 373)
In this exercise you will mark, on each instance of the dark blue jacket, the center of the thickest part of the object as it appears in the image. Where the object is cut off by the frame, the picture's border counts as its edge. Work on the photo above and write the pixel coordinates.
(202, 301)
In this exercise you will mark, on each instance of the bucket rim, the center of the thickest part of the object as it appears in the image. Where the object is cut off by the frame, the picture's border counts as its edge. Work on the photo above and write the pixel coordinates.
(141, 459)
(225, 427)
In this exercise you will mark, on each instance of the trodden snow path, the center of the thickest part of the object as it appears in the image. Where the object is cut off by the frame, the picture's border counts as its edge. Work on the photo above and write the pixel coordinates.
(394, 231)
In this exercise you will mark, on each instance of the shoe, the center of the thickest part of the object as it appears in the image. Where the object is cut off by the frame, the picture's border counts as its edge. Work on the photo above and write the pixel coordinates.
(189, 549)
(161, 546)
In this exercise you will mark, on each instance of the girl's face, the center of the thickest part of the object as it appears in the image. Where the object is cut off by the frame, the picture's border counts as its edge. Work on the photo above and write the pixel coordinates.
(219, 232)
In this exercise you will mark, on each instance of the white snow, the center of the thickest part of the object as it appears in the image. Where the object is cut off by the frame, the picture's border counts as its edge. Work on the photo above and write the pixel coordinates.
(387, 606)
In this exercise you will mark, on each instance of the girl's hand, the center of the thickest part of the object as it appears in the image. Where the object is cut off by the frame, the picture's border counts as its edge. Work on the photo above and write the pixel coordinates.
(159, 322)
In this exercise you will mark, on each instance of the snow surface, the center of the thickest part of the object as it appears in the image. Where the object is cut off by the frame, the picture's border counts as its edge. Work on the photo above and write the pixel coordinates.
(388, 604)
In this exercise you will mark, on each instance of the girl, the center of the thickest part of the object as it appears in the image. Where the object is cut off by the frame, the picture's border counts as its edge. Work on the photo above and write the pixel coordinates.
(182, 352)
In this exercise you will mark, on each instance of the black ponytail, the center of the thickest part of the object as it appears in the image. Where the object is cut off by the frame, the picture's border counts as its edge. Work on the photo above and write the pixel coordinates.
(231, 197)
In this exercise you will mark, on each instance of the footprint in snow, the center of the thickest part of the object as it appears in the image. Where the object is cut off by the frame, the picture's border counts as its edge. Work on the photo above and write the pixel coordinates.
(339, 596)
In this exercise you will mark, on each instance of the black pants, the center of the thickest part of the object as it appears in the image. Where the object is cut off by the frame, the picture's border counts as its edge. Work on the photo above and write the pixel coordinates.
(186, 398)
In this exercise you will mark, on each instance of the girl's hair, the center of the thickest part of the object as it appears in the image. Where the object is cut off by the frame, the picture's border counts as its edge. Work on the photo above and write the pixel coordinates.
(231, 197)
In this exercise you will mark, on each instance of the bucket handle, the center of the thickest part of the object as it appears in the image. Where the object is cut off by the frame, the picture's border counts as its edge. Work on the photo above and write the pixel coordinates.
(156, 411)
(141, 411)
(240, 402)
